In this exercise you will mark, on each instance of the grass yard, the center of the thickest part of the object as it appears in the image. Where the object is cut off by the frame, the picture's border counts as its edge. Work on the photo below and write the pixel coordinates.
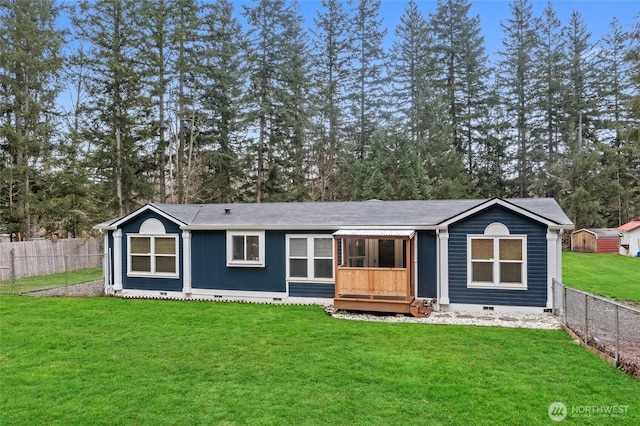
(609, 275)
(42, 282)
(112, 361)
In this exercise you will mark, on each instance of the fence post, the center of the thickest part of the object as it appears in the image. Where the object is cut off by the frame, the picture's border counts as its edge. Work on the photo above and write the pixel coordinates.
(617, 337)
(66, 278)
(564, 303)
(586, 311)
(12, 271)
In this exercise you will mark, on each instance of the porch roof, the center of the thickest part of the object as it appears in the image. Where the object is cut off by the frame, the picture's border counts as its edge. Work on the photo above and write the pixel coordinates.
(375, 233)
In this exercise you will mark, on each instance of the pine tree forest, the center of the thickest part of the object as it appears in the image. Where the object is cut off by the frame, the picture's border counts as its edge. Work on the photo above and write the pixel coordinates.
(106, 105)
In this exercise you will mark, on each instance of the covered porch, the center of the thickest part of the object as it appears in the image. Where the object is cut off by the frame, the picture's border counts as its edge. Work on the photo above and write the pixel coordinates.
(374, 271)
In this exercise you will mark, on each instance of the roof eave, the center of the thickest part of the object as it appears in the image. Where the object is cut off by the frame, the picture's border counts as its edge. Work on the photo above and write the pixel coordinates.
(144, 208)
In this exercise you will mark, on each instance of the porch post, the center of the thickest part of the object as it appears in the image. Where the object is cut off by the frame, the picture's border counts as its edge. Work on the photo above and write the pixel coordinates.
(443, 239)
(336, 262)
(117, 260)
(552, 264)
(186, 262)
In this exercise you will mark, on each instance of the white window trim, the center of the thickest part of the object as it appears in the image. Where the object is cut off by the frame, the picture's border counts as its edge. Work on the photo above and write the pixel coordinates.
(260, 263)
(310, 258)
(153, 256)
(496, 263)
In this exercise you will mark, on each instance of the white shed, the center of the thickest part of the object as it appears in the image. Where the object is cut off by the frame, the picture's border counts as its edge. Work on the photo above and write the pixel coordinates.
(630, 238)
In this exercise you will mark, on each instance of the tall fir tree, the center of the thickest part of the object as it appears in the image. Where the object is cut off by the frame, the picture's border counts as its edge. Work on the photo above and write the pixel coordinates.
(614, 93)
(30, 63)
(184, 38)
(519, 86)
(117, 106)
(331, 63)
(411, 68)
(550, 69)
(155, 22)
(367, 96)
(391, 170)
(277, 61)
(459, 47)
(631, 207)
(583, 186)
(220, 84)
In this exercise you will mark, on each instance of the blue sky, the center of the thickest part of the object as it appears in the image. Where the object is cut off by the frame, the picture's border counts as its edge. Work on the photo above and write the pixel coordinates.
(597, 15)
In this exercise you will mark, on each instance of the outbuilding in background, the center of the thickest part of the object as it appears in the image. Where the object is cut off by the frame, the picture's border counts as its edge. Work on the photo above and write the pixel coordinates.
(595, 240)
(629, 235)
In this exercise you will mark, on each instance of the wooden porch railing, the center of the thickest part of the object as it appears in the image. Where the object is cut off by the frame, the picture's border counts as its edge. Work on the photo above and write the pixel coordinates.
(373, 283)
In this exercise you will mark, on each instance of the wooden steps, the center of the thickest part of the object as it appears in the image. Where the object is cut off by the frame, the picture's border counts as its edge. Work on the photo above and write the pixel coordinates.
(382, 304)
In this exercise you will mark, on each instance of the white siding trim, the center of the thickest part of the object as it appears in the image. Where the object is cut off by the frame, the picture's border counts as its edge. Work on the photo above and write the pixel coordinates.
(186, 261)
(117, 260)
(465, 307)
(443, 264)
(106, 271)
(552, 264)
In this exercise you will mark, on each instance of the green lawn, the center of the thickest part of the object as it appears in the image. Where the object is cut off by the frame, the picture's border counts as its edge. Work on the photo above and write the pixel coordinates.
(609, 275)
(49, 281)
(112, 361)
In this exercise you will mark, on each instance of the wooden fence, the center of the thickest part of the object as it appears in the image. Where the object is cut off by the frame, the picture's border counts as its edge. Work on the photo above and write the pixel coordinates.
(33, 258)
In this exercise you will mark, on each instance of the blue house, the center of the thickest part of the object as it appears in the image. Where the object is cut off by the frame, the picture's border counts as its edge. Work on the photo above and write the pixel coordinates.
(395, 256)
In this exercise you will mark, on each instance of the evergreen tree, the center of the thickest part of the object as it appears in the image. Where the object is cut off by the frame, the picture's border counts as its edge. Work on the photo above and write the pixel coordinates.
(459, 46)
(155, 22)
(411, 67)
(492, 169)
(293, 117)
(519, 86)
(332, 54)
(277, 60)
(30, 62)
(613, 120)
(367, 96)
(117, 107)
(220, 86)
(183, 38)
(392, 169)
(630, 203)
(580, 91)
(583, 186)
(550, 69)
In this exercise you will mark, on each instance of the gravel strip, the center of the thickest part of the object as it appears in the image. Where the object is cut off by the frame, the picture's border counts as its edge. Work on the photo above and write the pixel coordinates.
(484, 319)
(88, 289)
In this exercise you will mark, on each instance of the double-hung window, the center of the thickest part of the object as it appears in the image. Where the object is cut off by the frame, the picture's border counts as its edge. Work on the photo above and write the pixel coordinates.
(310, 257)
(245, 248)
(497, 261)
(151, 252)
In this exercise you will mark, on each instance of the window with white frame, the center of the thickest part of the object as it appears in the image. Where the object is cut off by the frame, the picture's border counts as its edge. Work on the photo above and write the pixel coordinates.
(310, 257)
(497, 259)
(152, 252)
(245, 248)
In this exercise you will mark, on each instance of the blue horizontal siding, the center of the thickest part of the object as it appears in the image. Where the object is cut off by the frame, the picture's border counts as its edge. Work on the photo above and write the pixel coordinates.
(324, 290)
(209, 268)
(536, 293)
(427, 264)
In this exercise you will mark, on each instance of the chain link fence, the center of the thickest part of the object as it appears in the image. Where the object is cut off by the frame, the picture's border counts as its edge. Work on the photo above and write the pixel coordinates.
(610, 327)
(54, 275)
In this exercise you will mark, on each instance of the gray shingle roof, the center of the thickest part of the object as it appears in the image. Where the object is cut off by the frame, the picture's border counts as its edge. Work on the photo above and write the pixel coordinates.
(415, 213)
